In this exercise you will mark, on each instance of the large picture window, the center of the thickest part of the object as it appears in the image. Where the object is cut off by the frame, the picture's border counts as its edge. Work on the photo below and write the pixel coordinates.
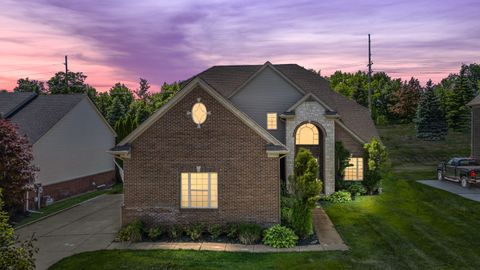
(307, 134)
(199, 190)
(355, 171)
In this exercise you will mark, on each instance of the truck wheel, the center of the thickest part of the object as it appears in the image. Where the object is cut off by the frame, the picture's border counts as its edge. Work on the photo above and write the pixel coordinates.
(464, 182)
(440, 175)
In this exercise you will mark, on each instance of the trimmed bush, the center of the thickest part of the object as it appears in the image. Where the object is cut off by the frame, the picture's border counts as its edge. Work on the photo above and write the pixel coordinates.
(232, 231)
(215, 231)
(286, 215)
(249, 233)
(154, 233)
(357, 189)
(279, 236)
(131, 233)
(175, 232)
(195, 231)
(341, 196)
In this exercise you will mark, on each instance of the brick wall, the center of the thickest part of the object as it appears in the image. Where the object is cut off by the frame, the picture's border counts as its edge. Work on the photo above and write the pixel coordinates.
(248, 181)
(476, 132)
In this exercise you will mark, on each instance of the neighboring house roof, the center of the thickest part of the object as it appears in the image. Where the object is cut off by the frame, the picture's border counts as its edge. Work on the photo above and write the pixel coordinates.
(475, 101)
(123, 145)
(10, 102)
(42, 113)
(356, 118)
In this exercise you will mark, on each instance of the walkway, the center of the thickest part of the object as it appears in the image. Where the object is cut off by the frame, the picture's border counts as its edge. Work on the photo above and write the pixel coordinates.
(90, 226)
(472, 193)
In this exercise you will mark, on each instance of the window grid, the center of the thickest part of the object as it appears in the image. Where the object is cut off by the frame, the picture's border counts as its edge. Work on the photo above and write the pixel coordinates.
(307, 134)
(199, 190)
(271, 120)
(355, 171)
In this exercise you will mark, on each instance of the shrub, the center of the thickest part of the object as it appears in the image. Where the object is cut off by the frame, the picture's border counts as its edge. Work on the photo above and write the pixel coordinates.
(154, 233)
(301, 219)
(232, 231)
(249, 233)
(215, 231)
(175, 232)
(356, 189)
(339, 197)
(286, 215)
(280, 237)
(376, 157)
(132, 232)
(195, 231)
(342, 161)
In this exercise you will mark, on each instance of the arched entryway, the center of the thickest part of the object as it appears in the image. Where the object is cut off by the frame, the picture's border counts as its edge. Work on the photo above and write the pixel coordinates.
(310, 135)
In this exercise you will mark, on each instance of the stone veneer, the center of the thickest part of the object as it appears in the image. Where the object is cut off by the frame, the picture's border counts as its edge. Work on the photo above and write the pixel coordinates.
(314, 112)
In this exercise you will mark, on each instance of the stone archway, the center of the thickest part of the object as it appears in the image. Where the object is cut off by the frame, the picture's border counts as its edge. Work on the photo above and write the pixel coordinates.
(311, 136)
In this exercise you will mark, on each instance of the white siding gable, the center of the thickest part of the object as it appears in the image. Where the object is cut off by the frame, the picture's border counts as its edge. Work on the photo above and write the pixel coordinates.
(75, 147)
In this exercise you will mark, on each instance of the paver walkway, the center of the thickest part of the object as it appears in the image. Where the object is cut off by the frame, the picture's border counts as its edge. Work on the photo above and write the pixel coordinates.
(326, 232)
(89, 226)
(472, 193)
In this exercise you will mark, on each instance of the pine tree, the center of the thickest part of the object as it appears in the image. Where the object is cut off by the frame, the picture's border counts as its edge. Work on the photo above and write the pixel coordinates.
(457, 112)
(116, 111)
(430, 119)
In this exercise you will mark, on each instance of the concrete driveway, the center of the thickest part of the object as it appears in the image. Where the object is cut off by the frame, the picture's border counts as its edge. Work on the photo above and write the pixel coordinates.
(89, 226)
(472, 193)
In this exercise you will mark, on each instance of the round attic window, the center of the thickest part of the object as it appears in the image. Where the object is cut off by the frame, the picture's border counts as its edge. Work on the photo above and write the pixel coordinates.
(199, 113)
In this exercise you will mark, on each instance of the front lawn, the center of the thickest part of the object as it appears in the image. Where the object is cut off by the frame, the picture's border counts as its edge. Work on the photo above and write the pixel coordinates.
(408, 226)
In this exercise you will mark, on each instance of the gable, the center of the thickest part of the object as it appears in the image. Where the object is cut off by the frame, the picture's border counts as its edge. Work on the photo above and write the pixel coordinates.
(178, 99)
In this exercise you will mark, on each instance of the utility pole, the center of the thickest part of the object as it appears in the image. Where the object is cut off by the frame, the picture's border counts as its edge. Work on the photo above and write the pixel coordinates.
(66, 73)
(369, 77)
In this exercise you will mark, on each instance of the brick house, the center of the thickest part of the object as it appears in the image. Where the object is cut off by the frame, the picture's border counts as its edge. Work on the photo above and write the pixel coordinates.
(475, 106)
(69, 139)
(219, 150)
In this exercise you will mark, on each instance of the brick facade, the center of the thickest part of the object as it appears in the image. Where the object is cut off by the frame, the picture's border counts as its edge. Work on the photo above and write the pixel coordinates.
(248, 180)
(476, 132)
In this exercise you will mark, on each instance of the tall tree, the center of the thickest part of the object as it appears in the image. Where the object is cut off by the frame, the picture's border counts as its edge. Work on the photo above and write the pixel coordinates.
(142, 91)
(27, 85)
(17, 171)
(405, 100)
(103, 102)
(457, 112)
(123, 93)
(430, 118)
(116, 111)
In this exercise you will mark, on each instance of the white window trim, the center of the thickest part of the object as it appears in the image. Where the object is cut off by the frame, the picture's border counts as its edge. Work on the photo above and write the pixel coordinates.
(189, 202)
(276, 120)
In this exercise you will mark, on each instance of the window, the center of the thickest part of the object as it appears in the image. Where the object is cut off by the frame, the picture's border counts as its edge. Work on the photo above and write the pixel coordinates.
(199, 113)
(199, 190)
(355, 171)
(307, 134)
(271, 120)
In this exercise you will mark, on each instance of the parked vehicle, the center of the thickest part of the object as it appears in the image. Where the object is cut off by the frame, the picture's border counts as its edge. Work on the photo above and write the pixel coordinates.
(466, 171)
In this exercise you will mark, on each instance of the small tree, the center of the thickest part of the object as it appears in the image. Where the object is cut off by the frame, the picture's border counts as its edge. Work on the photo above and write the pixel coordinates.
(430, 119)
(306, 188)
(116, 111)
(27, 85)
(342, 157)
(14, 254)
(376, 156)
(16, 169)
(142, 91)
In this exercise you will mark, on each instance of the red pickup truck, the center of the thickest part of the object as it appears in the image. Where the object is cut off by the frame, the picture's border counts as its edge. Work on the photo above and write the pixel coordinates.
(466, 171)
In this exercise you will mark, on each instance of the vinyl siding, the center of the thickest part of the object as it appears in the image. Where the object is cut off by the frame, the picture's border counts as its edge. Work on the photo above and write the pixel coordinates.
(75, 147)
(267, 92)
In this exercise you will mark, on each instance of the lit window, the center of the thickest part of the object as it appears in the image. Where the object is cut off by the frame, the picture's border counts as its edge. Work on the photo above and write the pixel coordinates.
(199, 113)
(199, 190)
(355, 171)
(271, 120)
(307, 134)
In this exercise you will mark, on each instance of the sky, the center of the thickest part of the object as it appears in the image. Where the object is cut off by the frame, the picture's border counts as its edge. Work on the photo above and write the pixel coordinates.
(122, 40)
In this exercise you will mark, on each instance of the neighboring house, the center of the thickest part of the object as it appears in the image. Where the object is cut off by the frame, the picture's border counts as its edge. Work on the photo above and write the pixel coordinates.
(475, 106)
(69, 139)
(218, 150)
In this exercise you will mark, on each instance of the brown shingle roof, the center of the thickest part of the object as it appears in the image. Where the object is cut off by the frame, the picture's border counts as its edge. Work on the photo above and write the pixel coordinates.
(226, 79)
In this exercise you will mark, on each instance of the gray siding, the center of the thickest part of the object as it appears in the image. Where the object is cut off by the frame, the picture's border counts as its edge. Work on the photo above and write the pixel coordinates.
(476, 132)
(75, 147)
(267, 92)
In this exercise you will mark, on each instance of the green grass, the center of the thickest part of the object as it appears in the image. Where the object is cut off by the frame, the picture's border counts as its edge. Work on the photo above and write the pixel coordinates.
(409, 226)
(64, 204)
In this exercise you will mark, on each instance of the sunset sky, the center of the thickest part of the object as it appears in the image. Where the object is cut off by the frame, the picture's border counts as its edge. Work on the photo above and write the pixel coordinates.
(161, 41)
